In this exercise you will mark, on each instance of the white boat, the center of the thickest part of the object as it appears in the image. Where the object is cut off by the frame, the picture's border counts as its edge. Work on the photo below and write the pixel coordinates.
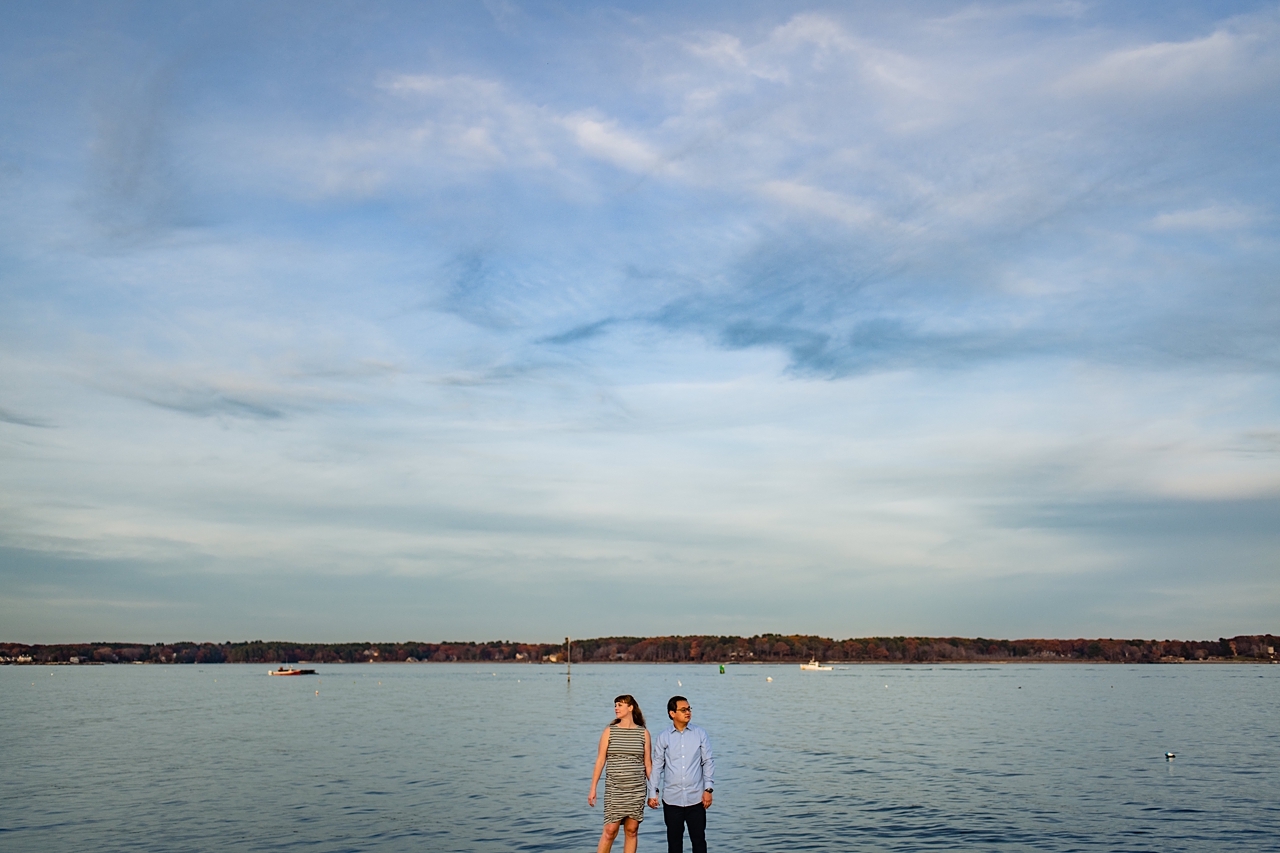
(814, 666)
(288, 670)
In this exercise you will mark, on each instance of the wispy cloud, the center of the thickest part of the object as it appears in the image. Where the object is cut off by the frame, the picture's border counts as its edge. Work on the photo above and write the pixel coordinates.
(1232, 61)
(1211, 218)
(9, 417)
(200, 392)
(822, 202)
(604, 140)
(581, 333)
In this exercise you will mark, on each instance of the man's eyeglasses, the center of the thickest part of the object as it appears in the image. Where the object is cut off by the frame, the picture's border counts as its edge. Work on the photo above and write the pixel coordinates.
(685, 710)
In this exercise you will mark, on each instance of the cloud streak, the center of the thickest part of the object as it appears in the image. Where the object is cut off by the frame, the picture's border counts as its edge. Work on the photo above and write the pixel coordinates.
(16, 419)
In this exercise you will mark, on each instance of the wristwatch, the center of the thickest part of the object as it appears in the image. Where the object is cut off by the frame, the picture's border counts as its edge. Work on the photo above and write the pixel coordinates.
(709, 790)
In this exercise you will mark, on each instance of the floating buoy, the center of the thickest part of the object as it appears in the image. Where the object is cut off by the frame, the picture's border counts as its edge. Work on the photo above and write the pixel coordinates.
(317, 692)
(769, 678)
(722, 669)
(679, 683)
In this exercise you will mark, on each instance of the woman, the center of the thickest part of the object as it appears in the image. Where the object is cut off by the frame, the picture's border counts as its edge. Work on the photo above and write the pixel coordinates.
(624, 749)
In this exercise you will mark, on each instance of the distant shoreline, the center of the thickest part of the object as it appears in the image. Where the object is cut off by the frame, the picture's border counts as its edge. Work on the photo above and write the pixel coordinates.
(957, 663)
(726, 650)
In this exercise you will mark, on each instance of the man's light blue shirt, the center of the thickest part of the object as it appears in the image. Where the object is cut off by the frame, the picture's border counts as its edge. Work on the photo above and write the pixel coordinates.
(682, 765)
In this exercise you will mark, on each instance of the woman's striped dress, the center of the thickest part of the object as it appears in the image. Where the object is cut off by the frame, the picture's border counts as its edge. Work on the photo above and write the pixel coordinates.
(624, 780)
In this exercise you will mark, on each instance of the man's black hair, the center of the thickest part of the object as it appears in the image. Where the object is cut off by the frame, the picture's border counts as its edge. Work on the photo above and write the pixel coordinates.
(671, 703)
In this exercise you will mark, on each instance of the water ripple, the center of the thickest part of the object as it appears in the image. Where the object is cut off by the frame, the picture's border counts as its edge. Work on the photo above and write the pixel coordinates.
(1046, 758)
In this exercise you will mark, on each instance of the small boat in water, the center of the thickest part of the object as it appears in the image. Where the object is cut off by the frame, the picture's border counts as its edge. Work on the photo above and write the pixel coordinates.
(288, 670)
(814, 666)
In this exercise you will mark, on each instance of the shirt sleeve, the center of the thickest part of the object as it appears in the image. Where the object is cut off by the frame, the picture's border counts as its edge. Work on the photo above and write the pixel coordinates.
(708, 763)
(659, 762)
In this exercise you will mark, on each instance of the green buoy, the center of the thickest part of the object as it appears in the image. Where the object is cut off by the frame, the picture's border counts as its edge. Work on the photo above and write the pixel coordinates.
(722, 669)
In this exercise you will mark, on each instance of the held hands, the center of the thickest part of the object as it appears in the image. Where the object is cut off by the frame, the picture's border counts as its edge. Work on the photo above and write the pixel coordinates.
(653, 801)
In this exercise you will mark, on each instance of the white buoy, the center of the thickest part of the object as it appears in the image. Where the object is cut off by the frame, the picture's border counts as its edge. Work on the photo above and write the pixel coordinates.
(679, 683)
(769, 678)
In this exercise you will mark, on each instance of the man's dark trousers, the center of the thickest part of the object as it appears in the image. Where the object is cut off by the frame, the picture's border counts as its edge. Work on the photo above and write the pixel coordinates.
(676, 817)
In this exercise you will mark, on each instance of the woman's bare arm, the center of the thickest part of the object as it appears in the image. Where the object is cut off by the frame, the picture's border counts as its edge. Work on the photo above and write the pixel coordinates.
(595, 774)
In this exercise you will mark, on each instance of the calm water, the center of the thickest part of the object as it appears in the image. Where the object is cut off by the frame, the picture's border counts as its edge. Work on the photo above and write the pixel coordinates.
(470, 758)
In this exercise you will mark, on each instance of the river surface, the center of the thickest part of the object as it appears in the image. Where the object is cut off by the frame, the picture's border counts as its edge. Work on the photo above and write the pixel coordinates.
(464, 757)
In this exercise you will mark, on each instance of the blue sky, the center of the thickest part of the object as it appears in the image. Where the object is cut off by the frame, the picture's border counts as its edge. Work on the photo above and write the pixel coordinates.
(466, 321)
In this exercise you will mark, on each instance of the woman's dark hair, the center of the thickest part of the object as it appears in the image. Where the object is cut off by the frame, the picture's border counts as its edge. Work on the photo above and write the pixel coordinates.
(635, 709)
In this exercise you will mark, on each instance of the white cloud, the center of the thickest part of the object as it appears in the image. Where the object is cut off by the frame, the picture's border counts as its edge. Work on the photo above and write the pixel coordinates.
(873, 62)
(822, 202)
(472, 115)
(1230, 61)
(604, 141)
(984, 12)
(816, 30)
(1212, 218)
(472, 119)
(721, 49)
(450, 129)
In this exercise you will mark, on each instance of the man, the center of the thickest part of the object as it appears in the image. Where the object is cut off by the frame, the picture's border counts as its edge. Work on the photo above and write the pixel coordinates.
(682, 765)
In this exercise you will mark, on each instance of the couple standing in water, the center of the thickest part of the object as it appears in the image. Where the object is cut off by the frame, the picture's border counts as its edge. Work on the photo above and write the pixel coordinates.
(679, 763)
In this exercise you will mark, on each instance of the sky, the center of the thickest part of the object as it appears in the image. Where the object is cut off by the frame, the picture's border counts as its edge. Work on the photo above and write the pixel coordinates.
(505, 320)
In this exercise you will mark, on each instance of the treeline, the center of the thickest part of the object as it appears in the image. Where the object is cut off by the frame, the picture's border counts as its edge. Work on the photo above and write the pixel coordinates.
(274, 651)
(765, 648)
